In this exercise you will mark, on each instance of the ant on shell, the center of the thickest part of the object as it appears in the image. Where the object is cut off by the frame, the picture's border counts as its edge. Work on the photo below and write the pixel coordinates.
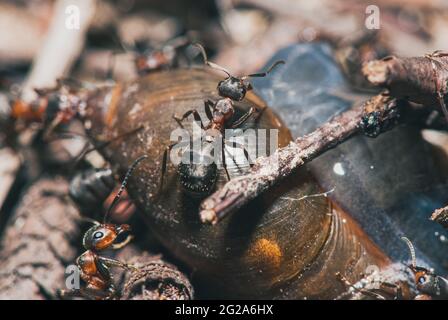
(198, 179)
(163, 57)
(94, 268)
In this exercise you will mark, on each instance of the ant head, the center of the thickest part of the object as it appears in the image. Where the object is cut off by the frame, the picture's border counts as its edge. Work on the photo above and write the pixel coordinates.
(103, 236)
(425, 280)
(233, 87)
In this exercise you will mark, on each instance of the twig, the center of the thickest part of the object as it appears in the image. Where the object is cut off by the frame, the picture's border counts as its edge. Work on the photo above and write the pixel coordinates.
(374, 116)
(421, 80)
(38, 243)
(441, 216)
(61, 47)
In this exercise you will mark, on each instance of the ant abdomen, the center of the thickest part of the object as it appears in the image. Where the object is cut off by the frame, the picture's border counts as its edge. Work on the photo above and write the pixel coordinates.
(90, 188)
(198, 179)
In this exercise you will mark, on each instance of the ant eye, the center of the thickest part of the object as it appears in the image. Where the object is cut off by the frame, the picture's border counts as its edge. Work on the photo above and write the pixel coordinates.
(422, 280)
(98, 235)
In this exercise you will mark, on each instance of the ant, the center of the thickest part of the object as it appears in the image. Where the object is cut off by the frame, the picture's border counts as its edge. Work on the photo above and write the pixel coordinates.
(430, 285)
(148, 58)
(52, 106)
(66, 101)
(94, 268)
(199, 179)
(159, 58)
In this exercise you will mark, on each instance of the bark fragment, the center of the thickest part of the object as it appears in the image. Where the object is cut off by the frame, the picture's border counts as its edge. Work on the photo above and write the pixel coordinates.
(38, 243)
(156, 280)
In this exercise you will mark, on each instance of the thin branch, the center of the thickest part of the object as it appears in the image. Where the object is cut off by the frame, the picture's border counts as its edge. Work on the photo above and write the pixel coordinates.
(61, 48)
(422, 80)
(373, 117)
(441, 216)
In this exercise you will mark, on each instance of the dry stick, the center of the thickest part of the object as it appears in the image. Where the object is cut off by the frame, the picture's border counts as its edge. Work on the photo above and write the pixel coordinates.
(372, 117)
(62, 46)
(422, 80)
(441, 216)
(38, 243)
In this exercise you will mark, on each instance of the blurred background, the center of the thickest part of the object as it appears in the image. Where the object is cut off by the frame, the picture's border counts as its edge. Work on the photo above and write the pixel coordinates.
(240, 34)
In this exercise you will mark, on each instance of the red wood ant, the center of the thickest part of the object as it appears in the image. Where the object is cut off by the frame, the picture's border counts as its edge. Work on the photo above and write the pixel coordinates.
(430, 285)
(160, 58)
(148, 58)
(67, 101)
(94, 268)
(198, 180)
(53, 106)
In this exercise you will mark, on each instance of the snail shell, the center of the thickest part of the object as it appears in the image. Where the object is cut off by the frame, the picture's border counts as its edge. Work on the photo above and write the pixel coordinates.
(282, 245)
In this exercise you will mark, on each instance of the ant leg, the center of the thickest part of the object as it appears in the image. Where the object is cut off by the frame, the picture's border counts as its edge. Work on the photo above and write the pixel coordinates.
(231, 155)
(112, 292)
(224, 158)
(208, 104)
(366, 292)
(243, 118)
(52, 127)
(116, 263)
(397, 289)
(246, 154)
(165, 163)
(87, 148)
(75, 293)
(195, 114)
(235, 144)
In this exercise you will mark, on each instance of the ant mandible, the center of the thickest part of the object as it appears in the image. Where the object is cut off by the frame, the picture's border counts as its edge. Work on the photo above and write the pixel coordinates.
(94, 268)
(199, 179)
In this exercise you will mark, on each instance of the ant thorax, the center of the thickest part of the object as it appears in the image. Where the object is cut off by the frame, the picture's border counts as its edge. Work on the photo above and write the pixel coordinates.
(224, 111)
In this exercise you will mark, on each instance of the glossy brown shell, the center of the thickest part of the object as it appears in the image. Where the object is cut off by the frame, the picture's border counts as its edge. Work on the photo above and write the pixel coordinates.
(283, 245)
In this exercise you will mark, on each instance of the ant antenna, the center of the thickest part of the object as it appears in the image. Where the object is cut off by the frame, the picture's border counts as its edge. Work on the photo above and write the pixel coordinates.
(90, 220)
(264, 74)
(412, 250)
(86, 149)
(211, 64)
(177, 42)
(123, 185)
